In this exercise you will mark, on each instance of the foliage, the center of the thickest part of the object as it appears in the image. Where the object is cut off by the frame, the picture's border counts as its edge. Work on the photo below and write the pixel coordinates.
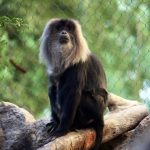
(117, 32)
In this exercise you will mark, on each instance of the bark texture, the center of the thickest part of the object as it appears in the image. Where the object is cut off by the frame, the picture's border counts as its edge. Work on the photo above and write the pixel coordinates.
(125, 125)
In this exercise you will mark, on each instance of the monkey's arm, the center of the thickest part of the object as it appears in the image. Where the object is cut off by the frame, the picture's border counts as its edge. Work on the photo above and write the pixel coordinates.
(53, 124)
(53, 98)
(70, 98)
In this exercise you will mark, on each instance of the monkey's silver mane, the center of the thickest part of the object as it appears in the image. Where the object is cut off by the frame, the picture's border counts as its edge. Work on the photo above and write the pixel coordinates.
(79, 54)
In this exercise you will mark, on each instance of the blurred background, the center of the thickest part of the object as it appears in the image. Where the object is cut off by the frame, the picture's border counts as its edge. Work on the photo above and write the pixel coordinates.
(117, 31)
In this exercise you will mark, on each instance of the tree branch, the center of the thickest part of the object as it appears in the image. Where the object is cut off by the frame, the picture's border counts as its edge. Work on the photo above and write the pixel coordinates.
(19, 68)
(25, 132)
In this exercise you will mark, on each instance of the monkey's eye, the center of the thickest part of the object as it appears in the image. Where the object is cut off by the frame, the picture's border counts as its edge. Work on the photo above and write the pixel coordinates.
(70, 27)
(58, 27)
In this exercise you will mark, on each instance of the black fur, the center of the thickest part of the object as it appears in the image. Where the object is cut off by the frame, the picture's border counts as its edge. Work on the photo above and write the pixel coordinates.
(78, 98)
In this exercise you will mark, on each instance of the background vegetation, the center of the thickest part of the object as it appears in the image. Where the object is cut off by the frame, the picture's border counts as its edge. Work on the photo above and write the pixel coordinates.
(118, 32)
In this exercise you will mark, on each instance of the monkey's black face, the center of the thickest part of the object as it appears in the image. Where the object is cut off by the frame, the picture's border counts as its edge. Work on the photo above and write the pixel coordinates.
(64, 37)
(63, 31)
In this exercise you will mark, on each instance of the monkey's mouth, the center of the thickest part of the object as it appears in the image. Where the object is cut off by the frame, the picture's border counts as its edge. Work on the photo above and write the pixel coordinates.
(63, 39)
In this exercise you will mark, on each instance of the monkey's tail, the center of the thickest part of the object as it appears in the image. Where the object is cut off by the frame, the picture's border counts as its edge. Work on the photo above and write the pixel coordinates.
(98, 126)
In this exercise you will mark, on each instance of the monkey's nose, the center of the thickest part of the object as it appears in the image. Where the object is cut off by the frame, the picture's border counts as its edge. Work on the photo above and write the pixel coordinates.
(63, 32)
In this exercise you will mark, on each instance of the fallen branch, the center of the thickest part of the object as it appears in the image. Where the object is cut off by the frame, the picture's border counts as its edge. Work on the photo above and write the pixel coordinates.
(19, 68)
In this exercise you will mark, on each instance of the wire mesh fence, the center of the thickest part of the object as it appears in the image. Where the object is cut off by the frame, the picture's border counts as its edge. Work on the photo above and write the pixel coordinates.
(117, 31)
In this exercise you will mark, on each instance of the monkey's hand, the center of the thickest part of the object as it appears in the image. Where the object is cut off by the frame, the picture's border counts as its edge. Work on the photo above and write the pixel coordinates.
(57, 133)
(51, 126)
